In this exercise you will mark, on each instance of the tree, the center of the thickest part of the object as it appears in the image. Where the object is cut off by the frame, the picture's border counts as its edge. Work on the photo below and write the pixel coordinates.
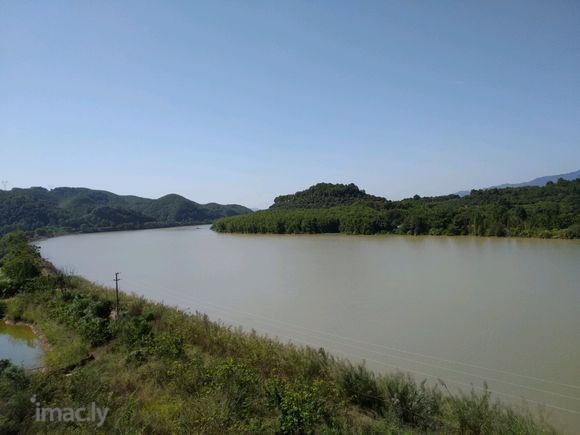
(20, 267)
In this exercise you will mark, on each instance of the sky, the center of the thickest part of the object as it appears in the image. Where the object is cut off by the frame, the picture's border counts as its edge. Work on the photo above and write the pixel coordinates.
(240, 101)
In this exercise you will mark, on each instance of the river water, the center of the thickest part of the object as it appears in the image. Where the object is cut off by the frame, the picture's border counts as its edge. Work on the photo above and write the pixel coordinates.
(461, 309)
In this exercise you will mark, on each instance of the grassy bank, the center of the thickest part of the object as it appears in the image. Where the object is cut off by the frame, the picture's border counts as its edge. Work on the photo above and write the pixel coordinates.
(160, 370)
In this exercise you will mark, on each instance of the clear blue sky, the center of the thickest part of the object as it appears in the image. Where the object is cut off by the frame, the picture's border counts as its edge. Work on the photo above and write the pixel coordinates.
(238, 101)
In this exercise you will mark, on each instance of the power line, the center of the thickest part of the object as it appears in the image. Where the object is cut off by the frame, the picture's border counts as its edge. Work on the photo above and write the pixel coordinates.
(374, 344)
(395, 349)
(451, 381)
(271, 321)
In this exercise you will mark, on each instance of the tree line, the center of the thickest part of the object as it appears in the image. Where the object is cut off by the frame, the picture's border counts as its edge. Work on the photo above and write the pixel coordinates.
(549, 211)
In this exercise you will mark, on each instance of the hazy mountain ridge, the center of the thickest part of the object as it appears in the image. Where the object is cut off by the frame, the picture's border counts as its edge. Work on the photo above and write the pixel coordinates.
(540, 181)
(74, 209)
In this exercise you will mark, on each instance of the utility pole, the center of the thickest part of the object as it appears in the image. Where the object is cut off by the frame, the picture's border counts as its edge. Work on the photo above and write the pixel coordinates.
(117, 279)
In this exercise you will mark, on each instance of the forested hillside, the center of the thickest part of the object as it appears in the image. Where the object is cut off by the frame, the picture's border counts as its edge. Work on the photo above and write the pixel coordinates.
(323, 195)
(549, 211)
(42, 212)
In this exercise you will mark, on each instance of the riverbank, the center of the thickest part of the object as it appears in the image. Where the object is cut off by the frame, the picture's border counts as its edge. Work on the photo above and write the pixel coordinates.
(36, 238)
(161, 370)
(367, 297)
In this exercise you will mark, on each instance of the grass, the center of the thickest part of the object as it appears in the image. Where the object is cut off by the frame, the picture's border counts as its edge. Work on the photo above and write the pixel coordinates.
(163, 371)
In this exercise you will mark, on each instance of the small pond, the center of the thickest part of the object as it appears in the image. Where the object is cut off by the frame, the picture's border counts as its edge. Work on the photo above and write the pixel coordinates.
(19, 344)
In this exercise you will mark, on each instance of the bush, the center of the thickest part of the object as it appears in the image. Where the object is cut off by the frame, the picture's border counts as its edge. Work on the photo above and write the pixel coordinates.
(413, 404)
(239, 383)
(301, 408)
(167, 345)
(21, 266)
(14, 399)
(89, 315)
(572, 232)
(15, 310)
(473, 414)
(362, 389)
(133, 332)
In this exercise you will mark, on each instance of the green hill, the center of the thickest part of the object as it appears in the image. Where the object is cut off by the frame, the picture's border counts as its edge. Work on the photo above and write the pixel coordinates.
(323, 195)
(43, 212)
(549, 211)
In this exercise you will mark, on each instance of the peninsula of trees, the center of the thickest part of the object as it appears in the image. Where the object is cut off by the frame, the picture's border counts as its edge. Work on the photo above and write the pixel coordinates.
(551, 211)
(41, 212)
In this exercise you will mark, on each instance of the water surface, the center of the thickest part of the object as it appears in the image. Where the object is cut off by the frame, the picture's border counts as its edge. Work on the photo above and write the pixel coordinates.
(19, 345)
(460, 309)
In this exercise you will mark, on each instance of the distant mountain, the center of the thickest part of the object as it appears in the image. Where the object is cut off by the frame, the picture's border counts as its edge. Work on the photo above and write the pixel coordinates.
(540, 181)
(43, 212)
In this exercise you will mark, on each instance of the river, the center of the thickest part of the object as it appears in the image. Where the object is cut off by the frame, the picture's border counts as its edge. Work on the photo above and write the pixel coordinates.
(461, 309)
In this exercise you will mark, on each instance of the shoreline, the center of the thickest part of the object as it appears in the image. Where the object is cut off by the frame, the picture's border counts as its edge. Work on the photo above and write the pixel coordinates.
(387, 235)
(183, 341)
(42, 341)
(77, 233)
(376, 235)
(183, 338)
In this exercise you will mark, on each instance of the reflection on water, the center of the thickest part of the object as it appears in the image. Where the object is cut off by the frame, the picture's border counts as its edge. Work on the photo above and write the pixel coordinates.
(461, 309)
(19, 345)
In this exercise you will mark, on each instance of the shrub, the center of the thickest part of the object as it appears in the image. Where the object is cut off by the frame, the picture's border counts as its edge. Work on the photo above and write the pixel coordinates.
(167, 345)
(134, 334)
(302, 407)
(362, 388)
(413, 404)
(89, 315)
(21, 266)
(473, 413)
(95, 330)
(239, 383)
(15, 310)
(14, 398)
(572, 232)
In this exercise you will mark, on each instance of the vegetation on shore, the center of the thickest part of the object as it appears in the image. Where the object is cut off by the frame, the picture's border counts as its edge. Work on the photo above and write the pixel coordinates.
(549, 211)
(42, 213)
(160, 370)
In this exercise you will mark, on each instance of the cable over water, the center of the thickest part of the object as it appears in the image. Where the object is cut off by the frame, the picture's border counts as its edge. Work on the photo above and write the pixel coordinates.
(320, 336)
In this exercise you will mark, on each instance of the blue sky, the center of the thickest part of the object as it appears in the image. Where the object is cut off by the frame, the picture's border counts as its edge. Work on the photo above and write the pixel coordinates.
(239, 101)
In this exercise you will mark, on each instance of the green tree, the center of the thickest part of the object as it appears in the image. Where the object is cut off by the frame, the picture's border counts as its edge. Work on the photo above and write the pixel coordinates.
(22, 266)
